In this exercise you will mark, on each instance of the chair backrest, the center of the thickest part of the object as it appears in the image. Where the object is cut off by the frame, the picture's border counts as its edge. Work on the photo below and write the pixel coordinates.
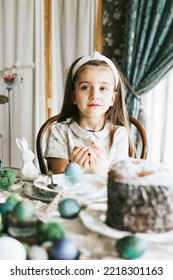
(45, 127)
(39, 143)
(143, 135)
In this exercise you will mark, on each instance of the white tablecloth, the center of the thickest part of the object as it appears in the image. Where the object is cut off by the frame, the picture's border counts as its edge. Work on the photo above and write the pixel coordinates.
(83, 237)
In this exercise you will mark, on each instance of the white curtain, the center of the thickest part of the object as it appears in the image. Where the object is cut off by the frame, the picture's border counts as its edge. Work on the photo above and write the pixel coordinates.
(159, 111)
(74, 35)
(22, 43)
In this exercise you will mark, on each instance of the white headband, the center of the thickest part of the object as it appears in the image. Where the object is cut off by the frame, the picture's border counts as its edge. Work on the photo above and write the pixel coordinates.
(96, 56)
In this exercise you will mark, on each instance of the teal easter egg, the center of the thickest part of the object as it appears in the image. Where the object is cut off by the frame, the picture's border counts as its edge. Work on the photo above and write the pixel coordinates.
(73, 175)
(24, 211)
(73, 169)
(5, 209)
(49, 232)
(64, 249)
(130, 247)
(69, 208)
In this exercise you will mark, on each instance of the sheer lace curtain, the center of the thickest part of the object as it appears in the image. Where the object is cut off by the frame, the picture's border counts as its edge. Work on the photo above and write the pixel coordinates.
(74, 30)
(22, 42)
(158, 103)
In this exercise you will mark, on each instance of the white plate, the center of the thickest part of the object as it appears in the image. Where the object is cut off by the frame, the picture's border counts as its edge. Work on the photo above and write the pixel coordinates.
(30, 190)
(94, 220)
(93, 187)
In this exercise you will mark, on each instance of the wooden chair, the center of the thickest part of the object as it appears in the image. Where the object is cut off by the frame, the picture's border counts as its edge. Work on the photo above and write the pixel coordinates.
(41, 140)
(143, 135)
(39, 143)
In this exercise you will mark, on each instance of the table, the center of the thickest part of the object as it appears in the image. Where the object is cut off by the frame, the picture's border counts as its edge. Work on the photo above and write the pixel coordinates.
(84, 237)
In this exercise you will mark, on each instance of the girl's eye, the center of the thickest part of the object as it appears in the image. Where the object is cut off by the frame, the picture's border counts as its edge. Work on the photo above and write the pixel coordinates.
(85, 87)
(104, 89)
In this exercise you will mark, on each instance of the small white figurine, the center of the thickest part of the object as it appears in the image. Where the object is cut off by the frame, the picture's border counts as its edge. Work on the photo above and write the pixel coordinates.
(28, 170)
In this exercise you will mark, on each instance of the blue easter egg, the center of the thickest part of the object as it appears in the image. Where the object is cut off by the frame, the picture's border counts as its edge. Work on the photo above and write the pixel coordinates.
(73, 169)
(64, 249)
(69, 208)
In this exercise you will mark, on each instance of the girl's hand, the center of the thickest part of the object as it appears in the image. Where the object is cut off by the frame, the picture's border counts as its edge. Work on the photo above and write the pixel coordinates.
(80, 156)
(97, 160)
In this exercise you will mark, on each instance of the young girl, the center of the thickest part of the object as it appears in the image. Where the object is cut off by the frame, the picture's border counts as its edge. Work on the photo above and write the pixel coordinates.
(92, 129)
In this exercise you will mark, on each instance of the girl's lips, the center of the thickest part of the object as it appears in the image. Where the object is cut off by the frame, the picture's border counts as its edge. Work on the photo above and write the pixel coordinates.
(94, 105)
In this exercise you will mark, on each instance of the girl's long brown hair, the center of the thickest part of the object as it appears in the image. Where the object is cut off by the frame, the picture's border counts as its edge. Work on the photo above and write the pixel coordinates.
(117, 114)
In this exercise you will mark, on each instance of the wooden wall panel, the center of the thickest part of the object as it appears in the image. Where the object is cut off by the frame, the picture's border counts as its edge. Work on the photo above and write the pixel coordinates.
(99, 27)
(48, 55)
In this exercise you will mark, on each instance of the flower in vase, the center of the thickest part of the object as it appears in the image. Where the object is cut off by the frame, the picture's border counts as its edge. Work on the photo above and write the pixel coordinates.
(9, 76)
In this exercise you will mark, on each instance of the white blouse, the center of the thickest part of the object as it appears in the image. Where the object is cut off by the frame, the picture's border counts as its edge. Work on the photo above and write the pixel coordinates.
(65, 135)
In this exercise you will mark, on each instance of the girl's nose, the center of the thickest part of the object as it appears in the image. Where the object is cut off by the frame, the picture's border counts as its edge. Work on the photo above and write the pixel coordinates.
(94, 94)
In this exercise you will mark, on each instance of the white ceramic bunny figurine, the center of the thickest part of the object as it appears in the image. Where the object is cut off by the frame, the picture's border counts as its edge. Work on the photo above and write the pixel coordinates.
(28, 170)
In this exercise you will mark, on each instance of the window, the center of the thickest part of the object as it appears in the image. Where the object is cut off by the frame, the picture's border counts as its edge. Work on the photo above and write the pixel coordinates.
(159, 112)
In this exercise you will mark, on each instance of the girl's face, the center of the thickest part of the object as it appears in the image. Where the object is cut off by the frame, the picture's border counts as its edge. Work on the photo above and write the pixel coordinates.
(94, 91)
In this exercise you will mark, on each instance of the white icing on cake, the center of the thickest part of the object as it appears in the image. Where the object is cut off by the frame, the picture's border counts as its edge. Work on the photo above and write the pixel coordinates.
(141, 171)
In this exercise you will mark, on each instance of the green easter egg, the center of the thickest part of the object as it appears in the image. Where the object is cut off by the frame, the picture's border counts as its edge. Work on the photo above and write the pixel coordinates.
(69, 208)
(24, 211)
(13, 199)
(130, 247)
(49, 232)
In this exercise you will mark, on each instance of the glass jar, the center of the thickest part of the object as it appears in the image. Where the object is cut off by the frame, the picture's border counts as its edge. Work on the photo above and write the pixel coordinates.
(1, 150)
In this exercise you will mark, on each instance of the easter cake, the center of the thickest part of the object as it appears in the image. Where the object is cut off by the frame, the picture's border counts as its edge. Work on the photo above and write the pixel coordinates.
(140, 196)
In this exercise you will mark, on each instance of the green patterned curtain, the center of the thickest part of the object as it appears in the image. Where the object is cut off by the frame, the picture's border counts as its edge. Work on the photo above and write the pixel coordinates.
(148, 52)
(144, 49)
(114, 15)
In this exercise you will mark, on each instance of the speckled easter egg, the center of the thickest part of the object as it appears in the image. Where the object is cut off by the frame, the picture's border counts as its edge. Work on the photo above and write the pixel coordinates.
(130, 247)
(64, 249)
(24, 211)
(11, 249)
(69, 208)
(49, 232)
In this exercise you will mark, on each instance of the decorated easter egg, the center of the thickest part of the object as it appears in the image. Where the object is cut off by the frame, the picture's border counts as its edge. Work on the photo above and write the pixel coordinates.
(130, 247)
(64, 249)
(49, 232)
(24, 211)
(69, 208)
(11, 249)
